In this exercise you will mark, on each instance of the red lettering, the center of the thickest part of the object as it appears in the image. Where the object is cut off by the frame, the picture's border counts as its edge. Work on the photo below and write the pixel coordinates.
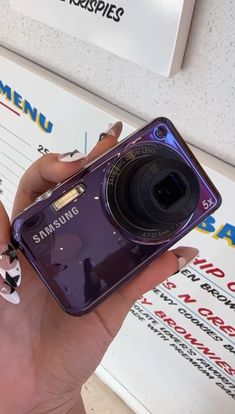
(216, 272)
(193, 341)
(226, 367)
(230, 330)
(231, 286)
(217, 321)
(200, 346)
(170, 322)
(206, 351)
(198, 261)
(180, 330)
(160, 314)
(205, 266)
(205, 312)
(145, 301)
(169, 285)
(214, 319)
(187, 298)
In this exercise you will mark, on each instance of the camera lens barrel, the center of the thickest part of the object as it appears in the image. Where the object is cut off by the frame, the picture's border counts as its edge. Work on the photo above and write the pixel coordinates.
(151, 192)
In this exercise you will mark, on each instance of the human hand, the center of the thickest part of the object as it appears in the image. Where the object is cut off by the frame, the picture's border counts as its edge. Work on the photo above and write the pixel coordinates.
(46, 355)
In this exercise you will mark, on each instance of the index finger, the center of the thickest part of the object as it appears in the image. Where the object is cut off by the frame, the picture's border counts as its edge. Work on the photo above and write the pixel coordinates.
(48, 170)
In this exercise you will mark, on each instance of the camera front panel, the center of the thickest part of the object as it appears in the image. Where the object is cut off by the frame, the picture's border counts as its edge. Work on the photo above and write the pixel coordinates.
(105, 224)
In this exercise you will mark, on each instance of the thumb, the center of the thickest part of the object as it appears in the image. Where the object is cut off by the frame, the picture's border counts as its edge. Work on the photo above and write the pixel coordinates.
(113, 311)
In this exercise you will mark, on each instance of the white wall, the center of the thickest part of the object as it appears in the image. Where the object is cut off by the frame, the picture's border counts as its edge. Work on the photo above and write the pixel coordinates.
(200, 99)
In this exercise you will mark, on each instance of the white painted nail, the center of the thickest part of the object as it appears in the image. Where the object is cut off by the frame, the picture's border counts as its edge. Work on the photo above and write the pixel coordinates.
(113, 129)
(9, 265)
(110, 125)
(12, 298)
(185, 255)
(72, 156)
(182, 262)
(5, 289)
(110, 130)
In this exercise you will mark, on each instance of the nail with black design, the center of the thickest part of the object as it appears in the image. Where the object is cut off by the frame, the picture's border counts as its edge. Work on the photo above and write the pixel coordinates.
(113, 130)
(9, 293)
(72, 156)
(10, 272)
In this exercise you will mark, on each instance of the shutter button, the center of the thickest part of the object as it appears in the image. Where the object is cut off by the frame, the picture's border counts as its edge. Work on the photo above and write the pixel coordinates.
(44, 196)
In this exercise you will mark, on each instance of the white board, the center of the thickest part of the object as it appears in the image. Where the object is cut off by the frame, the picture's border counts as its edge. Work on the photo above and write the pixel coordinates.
(151, 33)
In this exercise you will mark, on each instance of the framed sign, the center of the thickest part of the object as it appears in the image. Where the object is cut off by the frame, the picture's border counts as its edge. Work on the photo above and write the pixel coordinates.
(151, 33)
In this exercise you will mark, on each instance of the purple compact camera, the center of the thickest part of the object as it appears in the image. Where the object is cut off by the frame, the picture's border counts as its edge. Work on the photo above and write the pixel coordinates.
(91, 234)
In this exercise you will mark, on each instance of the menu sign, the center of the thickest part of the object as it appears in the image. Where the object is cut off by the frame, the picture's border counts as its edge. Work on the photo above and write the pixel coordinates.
(176, 350)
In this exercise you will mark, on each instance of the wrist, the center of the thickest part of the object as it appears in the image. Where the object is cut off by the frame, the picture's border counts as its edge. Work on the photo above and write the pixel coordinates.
(60, 405)
(78, 408)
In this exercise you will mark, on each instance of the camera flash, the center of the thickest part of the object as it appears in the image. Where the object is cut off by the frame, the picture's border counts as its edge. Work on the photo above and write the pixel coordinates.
(68, 197)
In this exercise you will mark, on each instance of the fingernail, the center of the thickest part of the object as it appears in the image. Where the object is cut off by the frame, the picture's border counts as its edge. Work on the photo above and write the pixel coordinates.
(113, 129)
(10, 295)
(72, 156)
(9, 265)
(5, 288)
(185, 255)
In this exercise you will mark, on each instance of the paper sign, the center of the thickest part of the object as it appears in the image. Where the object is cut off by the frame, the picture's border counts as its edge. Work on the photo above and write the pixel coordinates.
(151, 33)
(176, 350)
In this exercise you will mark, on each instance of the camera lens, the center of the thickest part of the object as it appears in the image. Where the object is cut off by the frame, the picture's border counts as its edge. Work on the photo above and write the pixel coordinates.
(169, 190)
(151, 192)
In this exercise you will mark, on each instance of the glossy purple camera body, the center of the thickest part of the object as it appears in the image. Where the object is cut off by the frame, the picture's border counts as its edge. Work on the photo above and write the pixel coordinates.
(93, 233)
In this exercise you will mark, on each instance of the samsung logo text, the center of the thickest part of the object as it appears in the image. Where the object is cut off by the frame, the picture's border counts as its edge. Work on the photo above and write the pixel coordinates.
(56, 224)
